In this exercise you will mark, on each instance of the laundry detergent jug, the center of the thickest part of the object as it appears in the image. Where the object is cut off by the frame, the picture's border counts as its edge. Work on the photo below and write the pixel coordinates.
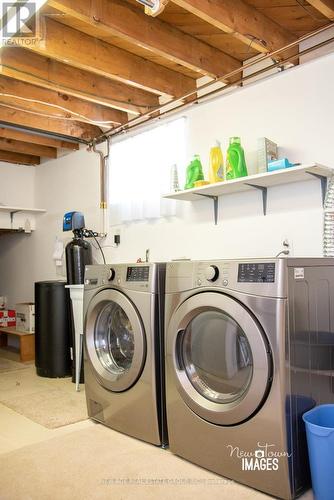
(216, 170)
(194, 172)
(235, 161)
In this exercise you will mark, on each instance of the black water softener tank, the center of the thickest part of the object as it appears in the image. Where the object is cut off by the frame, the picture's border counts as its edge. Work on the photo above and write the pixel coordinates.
(78, 255)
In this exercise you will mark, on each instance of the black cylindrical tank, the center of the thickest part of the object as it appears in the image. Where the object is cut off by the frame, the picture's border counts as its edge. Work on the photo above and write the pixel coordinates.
(52, 329)
(78, 255)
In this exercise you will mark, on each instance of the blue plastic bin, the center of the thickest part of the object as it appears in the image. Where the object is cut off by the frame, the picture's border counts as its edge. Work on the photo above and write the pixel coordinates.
(319, 424)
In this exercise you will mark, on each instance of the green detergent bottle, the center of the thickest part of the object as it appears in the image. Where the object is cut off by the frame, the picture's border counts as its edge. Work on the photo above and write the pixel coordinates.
(235, 161)
(194, 172)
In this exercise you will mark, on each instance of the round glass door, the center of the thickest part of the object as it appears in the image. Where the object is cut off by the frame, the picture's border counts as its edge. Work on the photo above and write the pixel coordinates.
(115, 340)
(219, 358)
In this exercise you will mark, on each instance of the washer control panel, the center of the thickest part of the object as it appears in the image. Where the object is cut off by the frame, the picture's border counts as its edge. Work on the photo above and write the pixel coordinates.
(141, 277)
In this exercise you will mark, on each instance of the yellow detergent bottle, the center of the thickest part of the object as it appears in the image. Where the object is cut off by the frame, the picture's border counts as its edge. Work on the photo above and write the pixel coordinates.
(216, 170)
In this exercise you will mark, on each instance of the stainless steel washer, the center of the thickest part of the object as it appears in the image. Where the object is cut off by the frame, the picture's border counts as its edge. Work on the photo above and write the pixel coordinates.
(123, 338)
(235, 394)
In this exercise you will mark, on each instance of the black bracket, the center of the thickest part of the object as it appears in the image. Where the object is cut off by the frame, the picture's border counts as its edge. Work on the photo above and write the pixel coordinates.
(323, 182)
(215, 205)
(264, 191)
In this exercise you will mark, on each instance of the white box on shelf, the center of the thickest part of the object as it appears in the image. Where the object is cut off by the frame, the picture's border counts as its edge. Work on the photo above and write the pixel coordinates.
(25, 317)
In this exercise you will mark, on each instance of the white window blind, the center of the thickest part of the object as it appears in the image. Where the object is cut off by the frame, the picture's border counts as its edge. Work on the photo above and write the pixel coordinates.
(140, 168)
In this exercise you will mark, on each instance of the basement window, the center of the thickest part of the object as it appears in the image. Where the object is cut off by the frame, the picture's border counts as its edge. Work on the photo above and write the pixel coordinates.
(140, 172)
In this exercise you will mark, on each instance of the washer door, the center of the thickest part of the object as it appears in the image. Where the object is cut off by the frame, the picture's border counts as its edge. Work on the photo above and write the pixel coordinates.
(219, 357)
(115, 340)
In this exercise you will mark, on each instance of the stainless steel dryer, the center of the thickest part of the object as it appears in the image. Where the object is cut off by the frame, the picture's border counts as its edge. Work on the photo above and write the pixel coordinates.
(239, 365)
(123, 338)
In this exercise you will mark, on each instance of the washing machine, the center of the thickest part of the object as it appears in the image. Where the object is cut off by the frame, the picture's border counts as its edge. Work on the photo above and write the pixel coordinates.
(239, 366)
(123, 355)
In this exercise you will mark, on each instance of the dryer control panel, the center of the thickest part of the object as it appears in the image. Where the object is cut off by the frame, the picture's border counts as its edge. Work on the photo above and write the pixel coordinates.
(259, 272)
(261, 277)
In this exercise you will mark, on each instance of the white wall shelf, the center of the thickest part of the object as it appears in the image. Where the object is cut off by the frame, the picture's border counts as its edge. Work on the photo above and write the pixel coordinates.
(11, 210)
(260, 182)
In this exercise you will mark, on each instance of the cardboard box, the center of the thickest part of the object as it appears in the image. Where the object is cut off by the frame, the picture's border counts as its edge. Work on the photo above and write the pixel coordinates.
(25, 317)
(7, 318)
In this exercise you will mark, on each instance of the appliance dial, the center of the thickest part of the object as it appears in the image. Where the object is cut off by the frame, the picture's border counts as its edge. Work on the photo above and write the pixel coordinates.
(212, 273)
(111, 274)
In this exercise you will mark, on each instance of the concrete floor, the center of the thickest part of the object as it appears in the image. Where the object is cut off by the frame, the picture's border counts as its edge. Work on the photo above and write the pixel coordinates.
(17, 432)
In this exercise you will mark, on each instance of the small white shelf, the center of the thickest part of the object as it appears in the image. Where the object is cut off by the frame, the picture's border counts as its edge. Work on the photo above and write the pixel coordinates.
(9, 209)
(14, 210)
(258, 181)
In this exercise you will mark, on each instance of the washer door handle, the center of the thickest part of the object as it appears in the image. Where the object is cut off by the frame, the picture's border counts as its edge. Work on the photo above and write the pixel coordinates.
(178, 350)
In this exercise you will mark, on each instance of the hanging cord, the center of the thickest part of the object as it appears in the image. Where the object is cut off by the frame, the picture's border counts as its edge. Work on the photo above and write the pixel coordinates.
(88, 233)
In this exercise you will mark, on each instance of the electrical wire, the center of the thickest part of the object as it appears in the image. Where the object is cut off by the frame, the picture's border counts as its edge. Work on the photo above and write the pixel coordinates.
(71, 89)
(57, 106)
(92, 235)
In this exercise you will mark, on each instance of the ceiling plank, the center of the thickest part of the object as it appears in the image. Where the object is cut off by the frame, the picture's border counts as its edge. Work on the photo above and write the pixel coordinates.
(118, 18)
(67, 128)
(21, 159)
(243, 21)
(18, 135)
(31, 96)
(86, 52)
(26, 148)
(326, 7)
(33, 68)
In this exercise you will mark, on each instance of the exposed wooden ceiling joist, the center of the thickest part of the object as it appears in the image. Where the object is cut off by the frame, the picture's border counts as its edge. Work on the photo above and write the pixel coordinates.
(246, 23)
(29, 96)
(18, 135)
(67, 128)
(85, 52)
(326, 7)
(118, 18)
(47, 73)
(21, 159)
(26, 148)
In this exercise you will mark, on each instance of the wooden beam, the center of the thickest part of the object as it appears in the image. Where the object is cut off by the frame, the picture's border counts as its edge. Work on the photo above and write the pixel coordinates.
(118, 18)
(86, 52)
(326, 7)
(241, 20)
(21, 159)
(18, 135)
(66, 128)
(33, 68)
(73, 107)
(26, 148)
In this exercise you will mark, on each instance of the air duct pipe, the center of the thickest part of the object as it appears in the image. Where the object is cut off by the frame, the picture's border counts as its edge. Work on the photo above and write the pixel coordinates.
(104, 174)
(328, 236)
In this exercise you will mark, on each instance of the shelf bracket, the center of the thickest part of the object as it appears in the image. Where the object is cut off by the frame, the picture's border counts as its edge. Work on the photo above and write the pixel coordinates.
(264, 191)
(215, 205)
(323, 182)
(12, 213)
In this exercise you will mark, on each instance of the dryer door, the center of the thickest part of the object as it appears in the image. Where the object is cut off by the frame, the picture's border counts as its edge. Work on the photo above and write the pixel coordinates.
(115, 340)
(219, 358)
